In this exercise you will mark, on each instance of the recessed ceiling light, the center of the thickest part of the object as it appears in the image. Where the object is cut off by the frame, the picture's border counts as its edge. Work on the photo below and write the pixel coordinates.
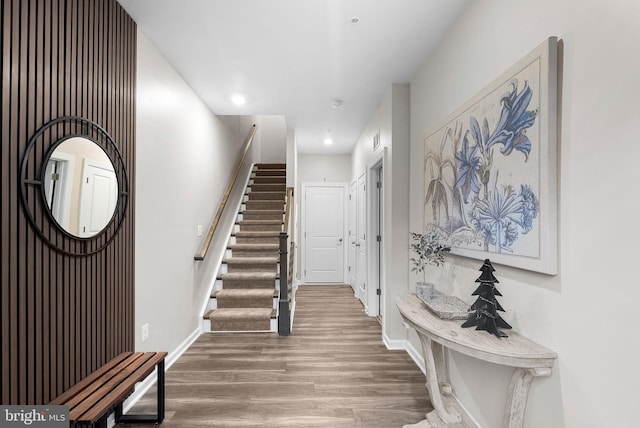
(327, 140)
(238, 99)
(354, 20)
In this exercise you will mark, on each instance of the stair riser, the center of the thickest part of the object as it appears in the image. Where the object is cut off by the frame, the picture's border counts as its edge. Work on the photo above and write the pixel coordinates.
(244, 284)
(241, 325)
(257, 240)
(269, 180)
(245, 303)
(234, 268)
(275, 196)
(270, 173)
(268, 188)
(263, 205)
(260, 227)
(271, 165)
(248, 215)
(255, 253)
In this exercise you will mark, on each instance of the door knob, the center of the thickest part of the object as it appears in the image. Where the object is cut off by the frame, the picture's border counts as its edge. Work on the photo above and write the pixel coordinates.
(340, 240)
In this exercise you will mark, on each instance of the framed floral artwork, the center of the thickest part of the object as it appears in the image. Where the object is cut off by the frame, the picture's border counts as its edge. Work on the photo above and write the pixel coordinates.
(491, 168)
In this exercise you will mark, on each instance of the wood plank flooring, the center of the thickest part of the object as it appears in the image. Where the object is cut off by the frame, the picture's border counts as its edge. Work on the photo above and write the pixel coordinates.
(333, 371)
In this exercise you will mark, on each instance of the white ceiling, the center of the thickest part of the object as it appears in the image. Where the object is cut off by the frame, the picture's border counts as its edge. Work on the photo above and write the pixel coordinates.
(297, 57)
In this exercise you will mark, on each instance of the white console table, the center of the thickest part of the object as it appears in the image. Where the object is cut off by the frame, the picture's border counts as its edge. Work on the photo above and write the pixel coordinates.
(529, 359)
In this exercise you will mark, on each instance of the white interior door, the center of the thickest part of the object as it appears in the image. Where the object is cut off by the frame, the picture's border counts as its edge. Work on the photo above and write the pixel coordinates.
(98, 197)
(324, 233)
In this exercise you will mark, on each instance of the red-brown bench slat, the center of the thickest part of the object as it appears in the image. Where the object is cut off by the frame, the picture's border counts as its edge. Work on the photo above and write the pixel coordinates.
(107, 378)
(117, 392)
(94, 396)
(76, 389)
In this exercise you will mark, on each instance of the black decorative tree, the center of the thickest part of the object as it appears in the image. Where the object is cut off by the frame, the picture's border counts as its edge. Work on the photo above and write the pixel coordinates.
(485, 309)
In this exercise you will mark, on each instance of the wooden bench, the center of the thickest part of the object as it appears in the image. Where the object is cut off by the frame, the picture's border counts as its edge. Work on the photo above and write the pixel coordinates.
(91, 400)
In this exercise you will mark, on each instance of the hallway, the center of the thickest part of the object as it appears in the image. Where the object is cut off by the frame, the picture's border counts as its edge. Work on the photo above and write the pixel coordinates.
(333, 371)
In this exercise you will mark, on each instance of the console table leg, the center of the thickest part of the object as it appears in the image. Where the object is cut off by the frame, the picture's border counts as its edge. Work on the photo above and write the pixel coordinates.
(433, 371)
(517, 396)
(441, 371)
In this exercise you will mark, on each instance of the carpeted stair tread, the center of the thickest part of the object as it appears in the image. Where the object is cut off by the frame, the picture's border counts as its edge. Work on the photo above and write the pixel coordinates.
(245, 298)
(265, 179)
(252, 264)
(262, 215)
(265, 187)
(251, 260)
(242, 319)
(242, 313)
(271, 165)
(254, 247)
(251, 293)
(256, 234)
(270, 172)
(266, 195)
(248, 276)
(266, 204)
(272, 225)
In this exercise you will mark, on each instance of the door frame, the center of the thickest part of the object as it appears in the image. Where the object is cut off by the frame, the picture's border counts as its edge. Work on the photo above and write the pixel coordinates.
(362, 213)
(376, 259)
(352, 264)
(303, 228)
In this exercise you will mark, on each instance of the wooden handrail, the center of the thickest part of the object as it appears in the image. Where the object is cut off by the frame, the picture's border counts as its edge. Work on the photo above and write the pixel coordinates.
(207, 241)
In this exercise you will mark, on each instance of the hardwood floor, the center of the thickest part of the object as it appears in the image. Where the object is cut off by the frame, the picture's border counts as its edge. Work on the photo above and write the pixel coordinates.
(333, 371)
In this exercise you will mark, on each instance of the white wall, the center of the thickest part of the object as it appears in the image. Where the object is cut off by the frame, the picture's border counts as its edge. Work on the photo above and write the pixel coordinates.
(271, 139)
(586, 312)
(184, 158)
(330, 168)
(392, 122)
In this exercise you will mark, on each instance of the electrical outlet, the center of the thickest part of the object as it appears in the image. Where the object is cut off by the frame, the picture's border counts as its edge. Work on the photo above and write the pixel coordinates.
(199, 230)
(145, 332)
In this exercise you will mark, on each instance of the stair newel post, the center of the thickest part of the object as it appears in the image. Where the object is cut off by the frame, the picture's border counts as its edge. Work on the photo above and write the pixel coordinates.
(284, 313)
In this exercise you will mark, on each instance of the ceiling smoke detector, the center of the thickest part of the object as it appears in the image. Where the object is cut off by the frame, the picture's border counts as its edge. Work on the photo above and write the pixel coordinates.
(336, 103)
(354, 20)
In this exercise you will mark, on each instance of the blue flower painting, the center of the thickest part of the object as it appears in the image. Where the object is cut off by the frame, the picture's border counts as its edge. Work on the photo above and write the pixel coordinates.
(490, 179)
(482, 172)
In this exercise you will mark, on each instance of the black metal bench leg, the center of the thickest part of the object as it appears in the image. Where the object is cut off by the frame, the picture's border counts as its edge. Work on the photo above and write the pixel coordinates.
(160, 390)
(160, 404)
(102, 422)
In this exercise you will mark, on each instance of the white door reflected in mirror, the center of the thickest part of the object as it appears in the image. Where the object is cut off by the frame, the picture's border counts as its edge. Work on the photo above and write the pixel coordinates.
(81, 200)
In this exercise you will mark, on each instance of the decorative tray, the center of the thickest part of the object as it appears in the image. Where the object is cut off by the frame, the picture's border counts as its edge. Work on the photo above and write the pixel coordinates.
(447, 307)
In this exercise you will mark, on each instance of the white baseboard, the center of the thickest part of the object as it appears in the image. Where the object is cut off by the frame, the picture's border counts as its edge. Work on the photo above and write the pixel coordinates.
(416, 356)
(392, 344)
(171, 358)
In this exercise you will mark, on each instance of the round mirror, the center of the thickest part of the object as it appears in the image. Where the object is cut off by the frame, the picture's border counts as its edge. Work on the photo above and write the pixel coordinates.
(80, 187)
(73, 185)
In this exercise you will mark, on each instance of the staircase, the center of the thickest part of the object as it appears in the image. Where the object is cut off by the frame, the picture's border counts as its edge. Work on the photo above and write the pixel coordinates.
(245, 296)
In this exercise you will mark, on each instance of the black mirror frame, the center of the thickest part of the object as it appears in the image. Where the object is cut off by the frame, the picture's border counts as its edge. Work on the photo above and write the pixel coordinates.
(39, 149)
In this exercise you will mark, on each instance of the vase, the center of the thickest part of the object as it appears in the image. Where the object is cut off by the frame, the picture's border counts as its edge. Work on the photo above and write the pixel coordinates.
(424, 290)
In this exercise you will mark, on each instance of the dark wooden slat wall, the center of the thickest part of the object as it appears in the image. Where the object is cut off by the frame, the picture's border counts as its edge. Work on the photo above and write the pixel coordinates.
(62, 316)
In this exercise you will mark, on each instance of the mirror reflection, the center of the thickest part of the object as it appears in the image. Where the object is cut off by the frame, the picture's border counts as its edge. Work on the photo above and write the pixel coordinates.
(80, 187)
